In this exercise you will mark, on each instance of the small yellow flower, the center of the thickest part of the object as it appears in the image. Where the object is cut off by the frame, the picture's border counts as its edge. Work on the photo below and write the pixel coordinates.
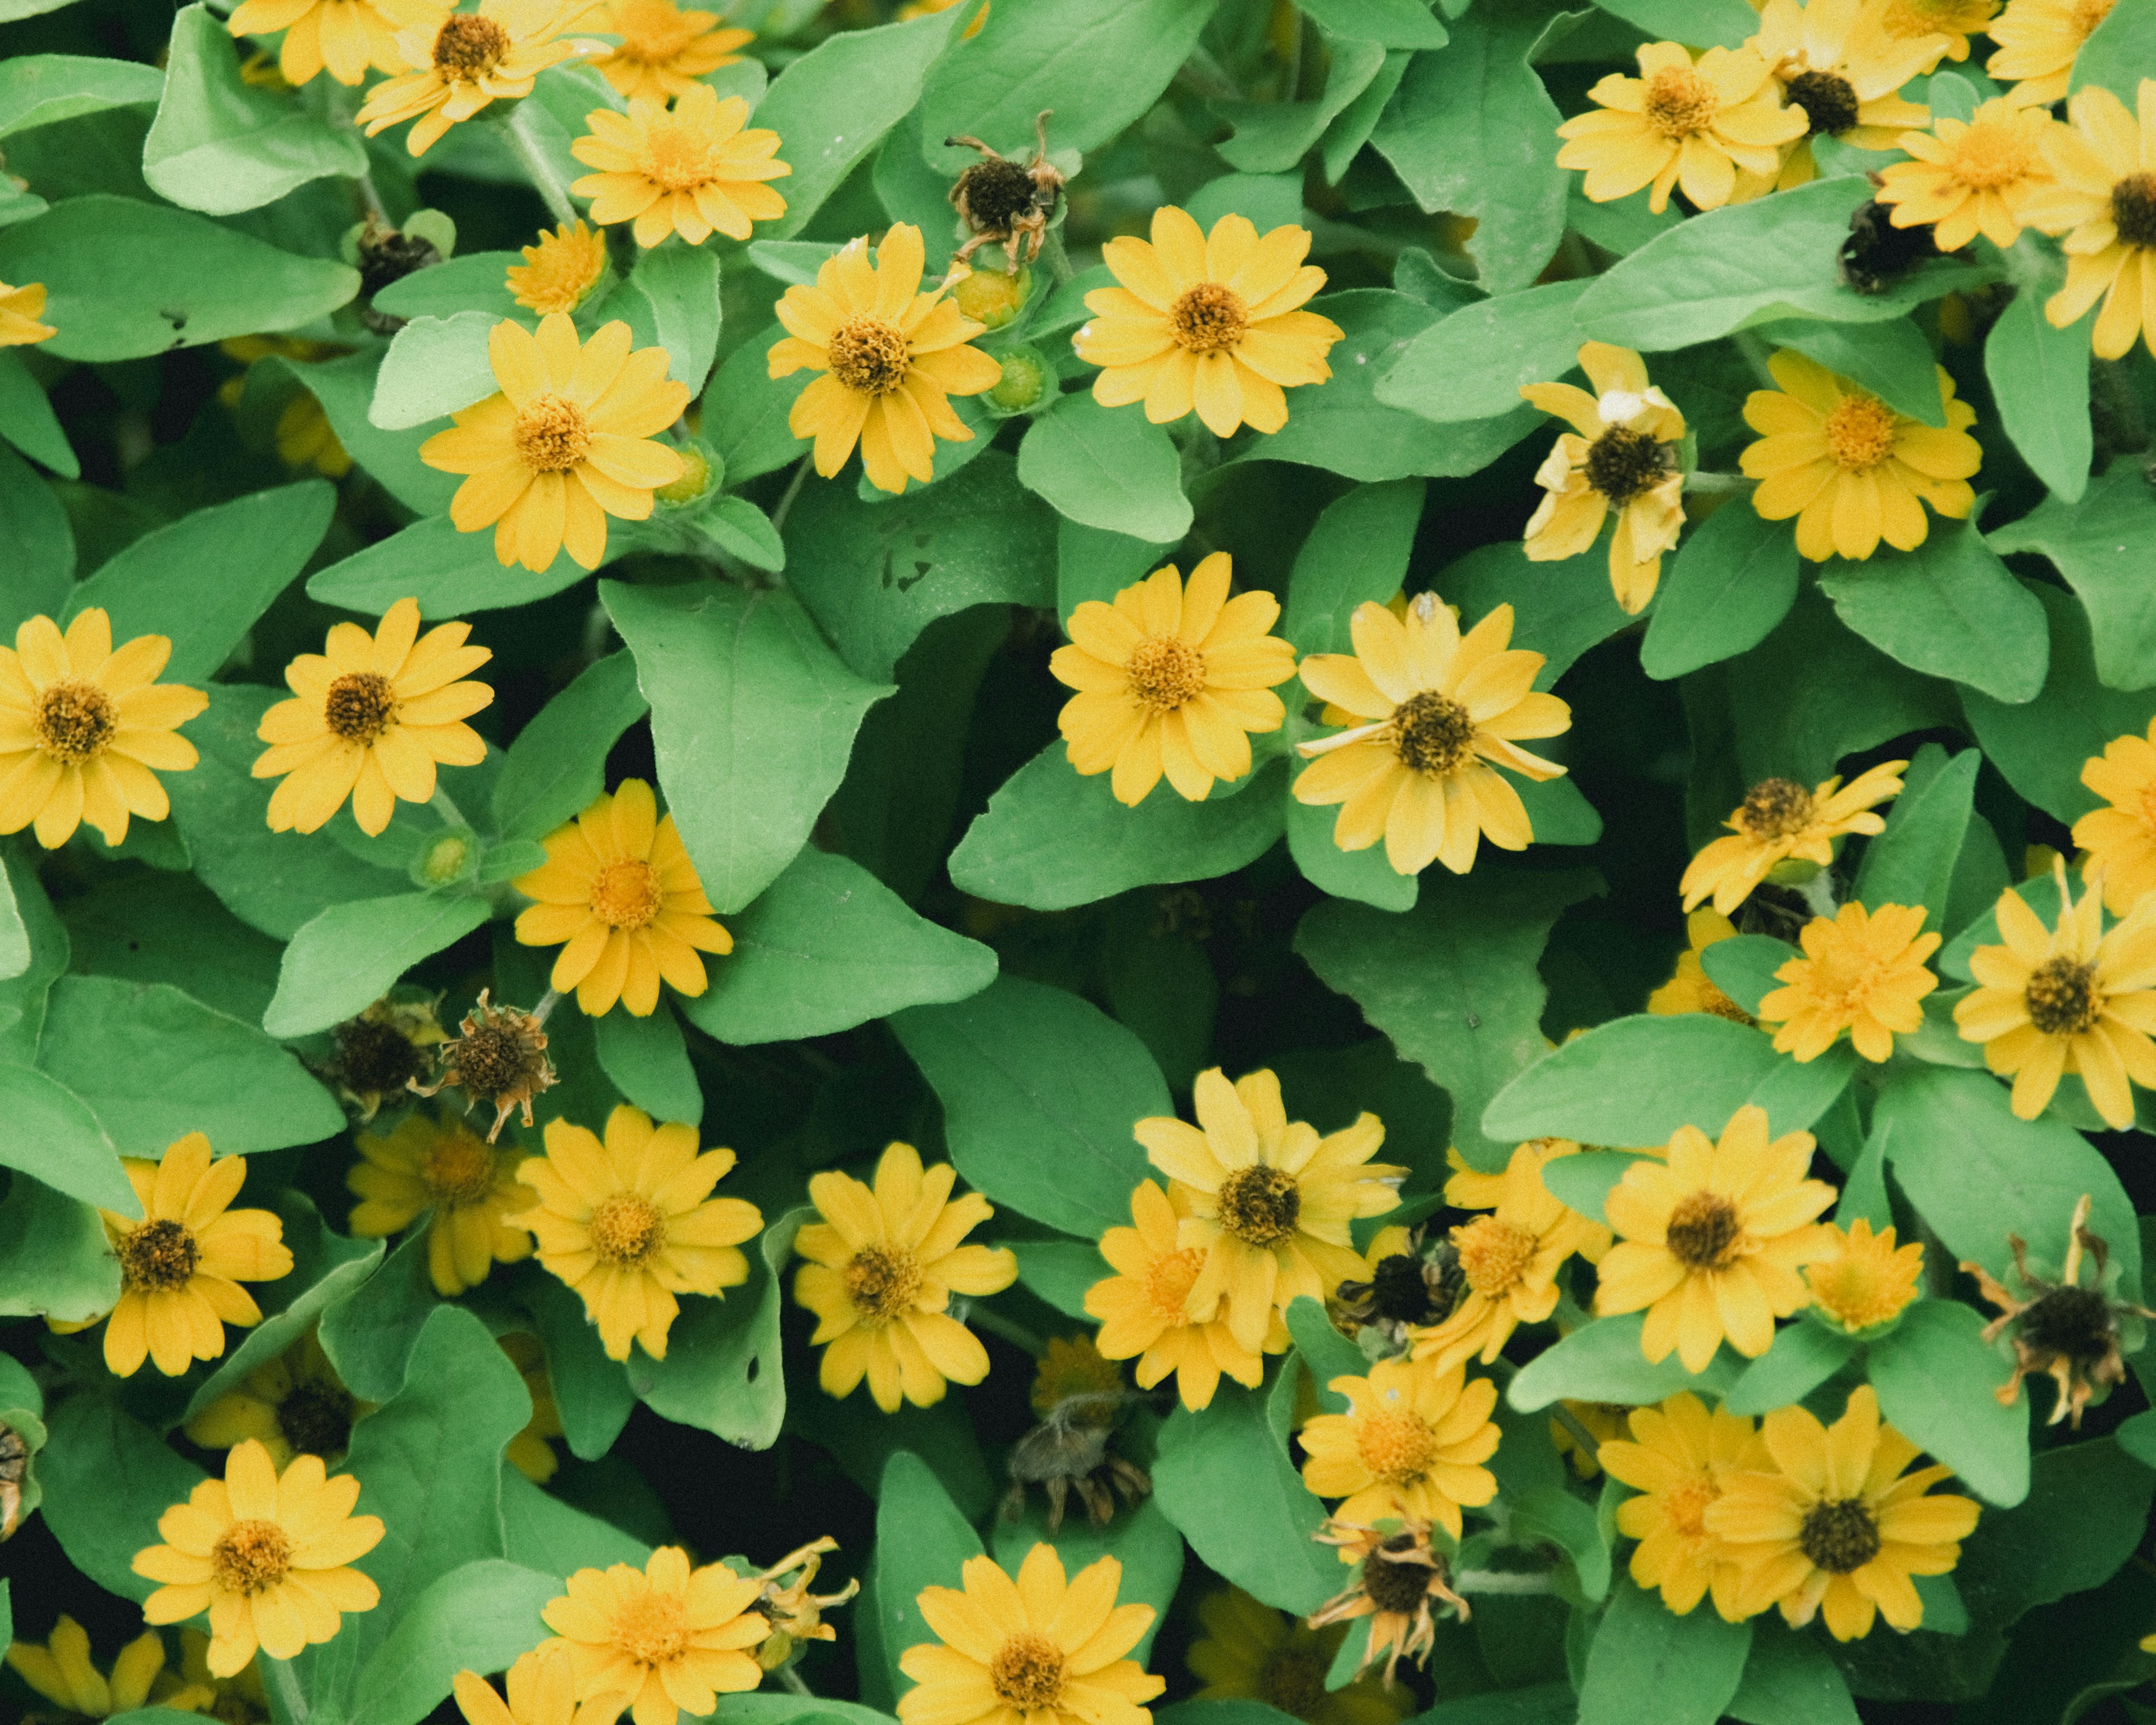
(1210, 321)
(1411, 1443)
(1867, 1281)
(1172, 680)
(2102, 197)
(268, 1556)
(61, 1672)
(2037, 41)
(1680, 1459)
(1690, 989)
(882, 1266)
(528, 1452)
(665, 48)
(295, 1404)
(1835, 64)
(690, 169)
(541, 1689)
(81, 727)
(436, 1165)
(374, 714)
(629, 1224)
(1251, 1652)
(346, 36)
(1862, 972)
(1780, 821)
(20, 309)
(670, 1638)
(889, 355)
(569, 440)
(1971, 177)
(1441, 712)
(1956, 20)
(2120, 840)
(1716, 128)
(560, 270)
(455, 63)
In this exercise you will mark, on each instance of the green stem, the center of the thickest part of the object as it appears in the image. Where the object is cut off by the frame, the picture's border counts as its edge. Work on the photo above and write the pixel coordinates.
(1589, 1444)
(1059, 260)
(547, 1002)
(1502, 1581)
(445, 806)
(1755, 355)
(793, 489)
(996, 1324)
(284, 1684)
(1703, 481)
(794, 1680)
(533, 160)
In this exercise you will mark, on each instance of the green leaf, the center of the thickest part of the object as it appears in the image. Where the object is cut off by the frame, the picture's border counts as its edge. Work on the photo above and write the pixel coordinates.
(1059, 1272)
(44, 89)
(369, 1336)
(746, 408)
(434, 366)
(752, 716)
(344, 387)
(2095, 544)
(1790, 1680)
(1601, 1362)
(647, 1060)
(479, 1616)
(451, 574)
(741, 530)
(1734, 579)
(1892, 360)
(591, 1392)
(722, 1372)
(1743, 966)
(922, 1542)
(1271, 138)
(1093, 564)
(1649, 1666)
(471, 281)
(1364, 876)
(672, 301)
(1395, 24)
(1551, 1515)
(1948, 608)
(108, 1478)
(557, 766)
(1696, 24)
(1912, 862)
(1583, 1182)
(2038, 378)
(347, 957)
(22, 996)
(1323, 1352)
(544, 1533)
(1040, 1090)
(1471, 364)
(2120, 51)
(53, 1258)
(1936, 1376)
(50, 1133)
(1357, 554)
(2087, 1502)
(26, 421)
(110, 300)
(1804, 1356)
(1107, 467)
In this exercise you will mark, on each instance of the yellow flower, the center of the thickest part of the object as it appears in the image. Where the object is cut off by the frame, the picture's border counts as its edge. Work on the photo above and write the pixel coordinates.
(1147, 1312)
(1838, 1523)
(20, 309)
(1170, 680)
(346, 36)
(2120, 840)
(560, 270)
(1835, 64)
(669, 1638)
(2037, 41)
(1441, 712)
(690, 169)
(61, 1671)
(1849, 468)
(1956, 20)
(306, 438)
(1690, 989)
(1600, 1421)
(1717, 128)
(567, 441)
(631, 1222)
(1266, 1199)
(1042, 1648)
(1411, 1443)
(528, 1452)
(295, 1404)
(1780, 821)
(1213, 322)
(1867, 1281)
(459, 62)
(882, 1266)
(1710, 1242)
(620, 894)
(435, 1164)
(81, 727)
(1680, 1459)
(374, 714)
(2102, 197)
(1971, 177)
(665, 48)
(1251, 1652)
(1621, 454)
(2070, 999)
(889, 355)
(1862, 972)
(266, 1555)
(541, 1689)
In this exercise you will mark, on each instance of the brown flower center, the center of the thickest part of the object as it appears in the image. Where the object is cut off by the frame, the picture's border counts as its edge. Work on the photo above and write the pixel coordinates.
(316, 1419)
(1678, 102)
(1395, 1588)
(468, 46)
(625, 895)
(677, 155)
(1433, 734)
(1991, 155)
(1027, 1672)
(652, 31)
(1703, 1231)
(373, 1057)
(493, 1060)
(72, 720)
(626, 1228)
(2069, 1323)
(1165, 673)
(1292, 1680)
(881, 1282)
(868, 356)
(552, 434)
(1828, 101)
(1397, 1447)
(158, 1257)
(1775, 808)
(1209, 317)
(1493, 1254)
(359, 706)
(250, 1558)
(995, 192)
(1713, 1000)
(2061, 997)
(1622, 464)
(1860, 434)
(1169, 1281)
(458, 1170)
(2133, 209)
(1840, 1536)
(1260, 1205)
(652, 1629)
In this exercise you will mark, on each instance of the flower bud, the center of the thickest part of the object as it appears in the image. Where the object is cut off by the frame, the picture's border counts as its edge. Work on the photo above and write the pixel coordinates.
(992, 298)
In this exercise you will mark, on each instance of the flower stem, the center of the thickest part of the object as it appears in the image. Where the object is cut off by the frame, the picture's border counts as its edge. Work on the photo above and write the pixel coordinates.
(996, 1324)
(1589, 1444)
(1701, 481)
(445, 806)
(533, 160)
(1502, 1581)
(793, 489)
(284, 1684)
(547, 1002)
(794, 1680)
(1059, 260)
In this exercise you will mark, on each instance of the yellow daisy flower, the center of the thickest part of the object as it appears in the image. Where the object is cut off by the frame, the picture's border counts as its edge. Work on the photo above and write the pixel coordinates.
(568, 441)
(1440, 713)
(61, 1672)
(882, 1266)
(2102, 197)
(631, 1222)
(1172, 680)
(1970, 176)
(2037, 41)
(1849, 468)
(889, 355)
(295, 1404)
(528, 1452)
(1041, 1647)
(1621, 454)
(1690, 989)
(620, 894)
(690, 169)
(1837, 1528)
(455, 63)
(81, 727)
(2120, 839)
(1836, 63)
(559, 271)
(2069, 998)
(374, 714)
(1709, 1243)
(1716, 128)
(1779, 822)
(20, 309)
(1210, 321)
(433, 1164)
(1862, 972)
(346, 36)
(1867, 1279)
(1680, 1459)
(1411, 1443)
(665, 48)
(267, 1555)
(669, 1638)
(541, 1689)
(1251, 1652)
(1956, 20)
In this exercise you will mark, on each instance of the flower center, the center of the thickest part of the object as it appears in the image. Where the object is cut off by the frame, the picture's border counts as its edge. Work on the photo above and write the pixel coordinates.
(881, 1282)
(1992, 153)
(868, 356)
(250, 1558)
(1169, 1281)
(1165, 673)
(1401, 1291)
(996, 193)
(1493, 1254)
(1840, 1537)
(1860, 434)
(74, 721)
(1684, 1505)
(1775, 808)
(552, 434)
(652, 1629)
(627, 1229)
(1854, 1293)
(1294, 1682)
(625, 895)
(2072, 1322)
(1622, 463)
(1433, 734)
(373, 1057)
(1209, 317)
(1397, 1447)
(493, 1060)
(1394, 1587)
(1828, 101)
(677, 155)
(1703, 1230)
(1679, 102)
(469, 46)
(158, 1257)
(316, 1419)
(653, 31)
(1712, 999)
(2133, 209)
(359, 706)
(1027, 1672)
(2087, 14)
(2061, 997)
(458, 1170)
(1260, 1205)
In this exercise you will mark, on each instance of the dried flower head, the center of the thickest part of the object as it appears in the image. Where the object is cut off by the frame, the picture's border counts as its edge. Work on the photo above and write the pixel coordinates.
(383, 1050)
(1004, 202)
(499, 1056)
(1400, 1574)
(1078, 1395)
(794, 1614)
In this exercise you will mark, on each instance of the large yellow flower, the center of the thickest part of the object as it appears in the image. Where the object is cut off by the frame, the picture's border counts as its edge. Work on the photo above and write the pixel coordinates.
(437, 1164)
(1690, 989)
(1440, 713)
(1411, 1443)
(665, 48)
(618, 890)
(631, 1222)
(1680, 1459)
(1837, 1524)
(1173, 680)
(1267, 1200)
(882, 1266)
(1836, 63)
(1040, 1649)
(2121, 839)
(61, 1672)
(1780, 821)
(690, 169)
(2102, 197)
(1970, 176)
(20, 309)
(268, 1556)
(1867, 1280)
(1716, 128)
(2069, 998)
(560, 271)
(295, 1404)
(2037, 41)
(374, 714)
(1849, 468)
(1621, 454)
(1956, 20)
(1710, 1242)
(455, 64)
(1210, 321)
(81, 727)
(1862, 972)
(671, 1638)
(541, 1689)
(347, 36)
(568, 441)
(1251, 1652)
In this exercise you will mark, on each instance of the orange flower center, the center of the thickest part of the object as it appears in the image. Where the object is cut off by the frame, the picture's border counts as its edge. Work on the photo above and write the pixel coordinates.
(1860, 434)
(1168, 1283)
(1774, 808)
(1679, 103)
(552, 434)
(1992, 154)
(677, 155)
(1622, 464)
(652, 1629)
(1433, 734)
(625, 894)
(1165, 673)
(868, 356)
(1027, 1672)
(1703, 1231)
(458, 1170)
(250, 1558)
(2061, 997)
(1260, 1205)
(1828, 101)
(1209, 317)
(652, 31)
(2133, 209)
(1494, 1256)
(626, 1228)
(1684, 1505)
(1397, 1447)
(72, 720)
(1840, 1537)
(158, 1257)
(468, 46)
(881, 1282)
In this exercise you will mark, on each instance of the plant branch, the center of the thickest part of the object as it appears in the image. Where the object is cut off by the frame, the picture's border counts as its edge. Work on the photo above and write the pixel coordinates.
(533, 161)
(1502, 1581)
(793, 489)
(283, 1685)
(996, 1324)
